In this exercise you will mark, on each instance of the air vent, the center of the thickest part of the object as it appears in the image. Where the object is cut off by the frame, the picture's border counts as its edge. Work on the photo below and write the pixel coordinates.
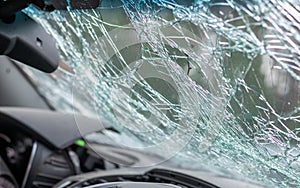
(54, 169)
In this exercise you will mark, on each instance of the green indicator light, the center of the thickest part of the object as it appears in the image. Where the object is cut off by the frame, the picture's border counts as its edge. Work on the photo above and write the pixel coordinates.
(80, 142)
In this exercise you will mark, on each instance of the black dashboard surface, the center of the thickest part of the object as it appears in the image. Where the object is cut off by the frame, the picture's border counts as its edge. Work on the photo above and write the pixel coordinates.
(55, 129)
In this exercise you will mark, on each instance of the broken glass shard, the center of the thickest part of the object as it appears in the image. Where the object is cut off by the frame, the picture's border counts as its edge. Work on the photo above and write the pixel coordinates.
(212, 85)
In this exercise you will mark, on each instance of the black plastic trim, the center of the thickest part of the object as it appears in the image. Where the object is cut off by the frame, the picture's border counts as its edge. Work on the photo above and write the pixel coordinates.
(26, 41)
(56, 130)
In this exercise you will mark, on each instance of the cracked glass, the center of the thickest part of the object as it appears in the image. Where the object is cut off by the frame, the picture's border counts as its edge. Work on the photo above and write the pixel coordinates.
(212, 85)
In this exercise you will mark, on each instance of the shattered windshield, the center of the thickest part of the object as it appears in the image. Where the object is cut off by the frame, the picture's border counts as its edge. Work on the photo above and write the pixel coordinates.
(212, 85)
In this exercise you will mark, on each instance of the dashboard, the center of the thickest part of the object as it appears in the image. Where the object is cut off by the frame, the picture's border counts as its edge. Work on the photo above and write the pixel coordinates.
(43, 148)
